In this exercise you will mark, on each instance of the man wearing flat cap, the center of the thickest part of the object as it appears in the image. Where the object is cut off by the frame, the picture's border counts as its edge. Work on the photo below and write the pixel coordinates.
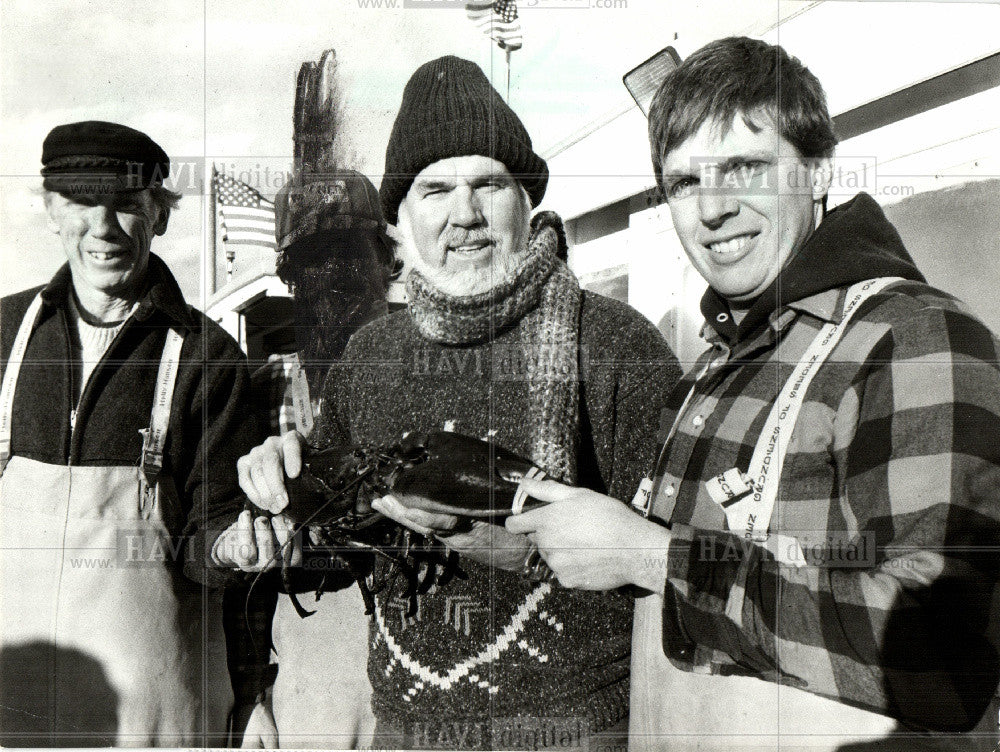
(121, 417)
(495, 660)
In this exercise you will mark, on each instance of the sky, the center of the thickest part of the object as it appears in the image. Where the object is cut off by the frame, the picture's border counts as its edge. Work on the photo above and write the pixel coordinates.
(214, 79)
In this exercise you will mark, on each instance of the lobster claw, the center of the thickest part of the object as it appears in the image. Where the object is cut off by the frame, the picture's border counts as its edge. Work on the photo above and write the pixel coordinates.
(459, 475)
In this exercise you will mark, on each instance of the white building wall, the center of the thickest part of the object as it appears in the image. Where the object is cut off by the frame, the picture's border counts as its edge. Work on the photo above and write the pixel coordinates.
(860, 52)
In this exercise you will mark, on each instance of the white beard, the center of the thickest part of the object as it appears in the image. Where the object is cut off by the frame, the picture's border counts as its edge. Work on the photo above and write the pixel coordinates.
(467, 280)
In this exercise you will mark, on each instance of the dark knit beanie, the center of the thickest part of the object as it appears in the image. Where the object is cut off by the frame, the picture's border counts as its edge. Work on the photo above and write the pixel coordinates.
(94, 155)
(449, 109)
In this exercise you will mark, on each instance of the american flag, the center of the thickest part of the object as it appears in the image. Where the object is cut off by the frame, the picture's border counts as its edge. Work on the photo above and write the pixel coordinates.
(247, 217)
(497, 20)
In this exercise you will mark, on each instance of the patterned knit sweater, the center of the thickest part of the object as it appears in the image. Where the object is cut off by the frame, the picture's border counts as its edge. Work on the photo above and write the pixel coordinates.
(495, 646)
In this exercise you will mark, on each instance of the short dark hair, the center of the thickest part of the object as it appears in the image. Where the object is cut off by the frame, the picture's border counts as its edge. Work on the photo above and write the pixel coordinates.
(164, 197)
(740, 76)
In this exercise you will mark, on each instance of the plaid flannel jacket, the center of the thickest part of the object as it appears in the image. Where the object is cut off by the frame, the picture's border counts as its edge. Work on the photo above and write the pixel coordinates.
(272, 382)
(891, 484)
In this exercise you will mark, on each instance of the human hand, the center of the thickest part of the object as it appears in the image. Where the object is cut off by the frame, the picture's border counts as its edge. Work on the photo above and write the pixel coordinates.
(253, 544)
(262, 472)
(484, 542)
(591, 541)
(490, 544)
(418, 520)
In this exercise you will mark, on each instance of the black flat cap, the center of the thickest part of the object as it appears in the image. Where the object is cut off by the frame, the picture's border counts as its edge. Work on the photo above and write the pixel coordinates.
(94, 155)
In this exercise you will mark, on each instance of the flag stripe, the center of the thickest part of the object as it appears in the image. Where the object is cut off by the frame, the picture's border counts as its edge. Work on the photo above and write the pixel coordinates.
(247, 218)
(230, 220)
(264, 215)
(242, 236)
(237, 242)
(497, 20)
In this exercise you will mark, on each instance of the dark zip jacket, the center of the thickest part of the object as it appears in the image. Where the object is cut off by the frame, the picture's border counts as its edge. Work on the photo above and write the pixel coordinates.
(211, 423)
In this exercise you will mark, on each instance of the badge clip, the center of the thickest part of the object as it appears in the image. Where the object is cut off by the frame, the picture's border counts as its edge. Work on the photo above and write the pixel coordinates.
(727, 487)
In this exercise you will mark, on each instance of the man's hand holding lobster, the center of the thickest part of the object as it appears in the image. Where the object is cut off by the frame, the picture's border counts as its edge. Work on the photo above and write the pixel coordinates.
(591, 541)
(455, 489)
(253, 542)
(480, 541)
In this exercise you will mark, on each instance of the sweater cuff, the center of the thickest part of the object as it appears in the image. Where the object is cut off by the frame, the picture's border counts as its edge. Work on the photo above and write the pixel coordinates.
(201, 565)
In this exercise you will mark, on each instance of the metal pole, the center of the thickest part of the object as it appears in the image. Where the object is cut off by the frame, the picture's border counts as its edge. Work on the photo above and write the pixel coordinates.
(506, 53)
(209, 285)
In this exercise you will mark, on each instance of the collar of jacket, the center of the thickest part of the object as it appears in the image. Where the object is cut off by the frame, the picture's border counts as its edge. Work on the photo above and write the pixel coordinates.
(854, 242)
(161, 294)
(828, 306)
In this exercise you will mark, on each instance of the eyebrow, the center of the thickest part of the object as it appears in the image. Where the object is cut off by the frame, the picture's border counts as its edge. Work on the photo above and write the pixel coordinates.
(434, 184)
(493, 177)
(726, 164)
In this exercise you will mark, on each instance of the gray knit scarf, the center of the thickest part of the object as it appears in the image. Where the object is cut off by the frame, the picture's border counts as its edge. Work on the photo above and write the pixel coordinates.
(543, 299)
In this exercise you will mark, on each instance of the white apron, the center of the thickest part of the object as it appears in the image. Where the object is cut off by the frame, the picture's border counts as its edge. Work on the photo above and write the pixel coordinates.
(322, 695)
(103, 639)
(672, 709)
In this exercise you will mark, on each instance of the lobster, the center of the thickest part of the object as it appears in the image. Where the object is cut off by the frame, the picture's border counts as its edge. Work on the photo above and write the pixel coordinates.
(437, 471)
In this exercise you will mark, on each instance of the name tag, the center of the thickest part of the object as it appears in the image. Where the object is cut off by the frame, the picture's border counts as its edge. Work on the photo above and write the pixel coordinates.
(641, 500)
(727, 486)
(301, 407)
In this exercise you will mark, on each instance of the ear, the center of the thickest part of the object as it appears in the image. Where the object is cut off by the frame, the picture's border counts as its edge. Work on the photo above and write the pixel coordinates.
(402, 234)
(160, 225)
(821, 176)
(50, 221)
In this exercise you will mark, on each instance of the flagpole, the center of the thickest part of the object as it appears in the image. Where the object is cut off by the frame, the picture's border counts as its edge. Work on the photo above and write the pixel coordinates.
(214, 229)
(208, 244)
(506, 53)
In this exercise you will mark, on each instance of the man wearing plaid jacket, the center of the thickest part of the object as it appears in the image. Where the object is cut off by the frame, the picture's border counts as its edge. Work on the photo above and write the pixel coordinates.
(337, 258)
(857, 608)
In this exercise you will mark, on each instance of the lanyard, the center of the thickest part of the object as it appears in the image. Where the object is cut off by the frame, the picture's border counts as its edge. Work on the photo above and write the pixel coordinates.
(750, 515)
(769, 454)
(154, 437)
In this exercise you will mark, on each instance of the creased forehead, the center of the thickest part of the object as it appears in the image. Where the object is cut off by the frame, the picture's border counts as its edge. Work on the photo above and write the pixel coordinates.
(107, 198)
(467, 165)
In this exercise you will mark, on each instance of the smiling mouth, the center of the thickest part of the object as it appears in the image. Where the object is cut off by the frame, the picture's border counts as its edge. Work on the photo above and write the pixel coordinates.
(105, 255)
(468, 249)
(732, 246)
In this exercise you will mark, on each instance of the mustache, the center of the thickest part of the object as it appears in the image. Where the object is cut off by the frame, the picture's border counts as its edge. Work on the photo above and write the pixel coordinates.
(463, 237)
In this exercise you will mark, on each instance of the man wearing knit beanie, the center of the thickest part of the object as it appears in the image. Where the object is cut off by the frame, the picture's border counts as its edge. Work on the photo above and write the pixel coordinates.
(499, 341)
